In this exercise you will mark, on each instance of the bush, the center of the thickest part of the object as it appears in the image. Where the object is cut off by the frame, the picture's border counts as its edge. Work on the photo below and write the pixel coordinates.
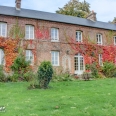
(20, 69)
(45, 72)
(62, 77)
(109, 69)
(2, 75)
(94, 70)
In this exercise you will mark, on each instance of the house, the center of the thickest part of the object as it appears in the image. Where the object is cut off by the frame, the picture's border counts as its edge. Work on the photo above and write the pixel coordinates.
(51, 34)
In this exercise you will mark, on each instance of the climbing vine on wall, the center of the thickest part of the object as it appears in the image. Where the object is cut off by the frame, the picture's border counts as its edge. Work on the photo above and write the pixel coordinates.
(9, 46)
(91, 50)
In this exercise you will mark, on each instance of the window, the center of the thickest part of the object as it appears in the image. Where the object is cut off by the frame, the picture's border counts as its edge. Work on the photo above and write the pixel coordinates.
(79, 62)
(78, 36)
(114, 40)
(29, 56)
(29, 32)
(100, 60)
(3, 29)
(1, 57)
(55, 58)
(99, 39)
(54, 34)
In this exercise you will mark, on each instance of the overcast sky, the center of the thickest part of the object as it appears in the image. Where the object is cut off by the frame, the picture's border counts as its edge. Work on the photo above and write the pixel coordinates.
(105, 9)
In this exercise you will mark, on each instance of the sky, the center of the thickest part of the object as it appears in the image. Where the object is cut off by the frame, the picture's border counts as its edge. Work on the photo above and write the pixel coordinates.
(105, 9)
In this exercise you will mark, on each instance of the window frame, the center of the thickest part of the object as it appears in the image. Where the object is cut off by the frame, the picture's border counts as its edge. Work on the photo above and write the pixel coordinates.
(114, 40)
(78, 39)
(53, 58)
(29, 32)
(1, 29)
(31, 60)
(99, 39)
(100, 60)
(2, 60)
(54, 32)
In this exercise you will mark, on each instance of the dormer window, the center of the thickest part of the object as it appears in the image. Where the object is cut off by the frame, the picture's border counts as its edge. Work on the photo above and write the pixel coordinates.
(79, 36)
(99, 39)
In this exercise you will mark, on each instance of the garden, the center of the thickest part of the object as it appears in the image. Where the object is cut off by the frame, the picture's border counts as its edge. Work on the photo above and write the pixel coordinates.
(24, 91)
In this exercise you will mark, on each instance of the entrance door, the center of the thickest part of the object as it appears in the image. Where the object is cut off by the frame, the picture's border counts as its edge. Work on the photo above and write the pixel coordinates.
(79, 64)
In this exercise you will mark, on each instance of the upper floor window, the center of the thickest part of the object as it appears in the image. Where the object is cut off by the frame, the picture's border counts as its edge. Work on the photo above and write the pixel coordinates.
(54, 34)
(55, 58)
(29, 32)
(3, 29)
(100, 60)
(99, 39)
(1, 57)
(114, 40)
(29, 56)
(78, 36)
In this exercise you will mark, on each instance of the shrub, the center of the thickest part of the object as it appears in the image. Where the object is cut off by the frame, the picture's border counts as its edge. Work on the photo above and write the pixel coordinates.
(109, 69)
(62, 77)
(20, 68)
(94, 70)
(45, 72)
(2, 75)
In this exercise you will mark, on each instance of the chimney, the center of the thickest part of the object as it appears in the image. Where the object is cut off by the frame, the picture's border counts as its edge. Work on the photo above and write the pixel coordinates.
(92, 16)
(18, 4)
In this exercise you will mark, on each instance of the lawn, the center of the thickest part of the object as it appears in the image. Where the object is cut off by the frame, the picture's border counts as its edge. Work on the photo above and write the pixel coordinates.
(74, 98)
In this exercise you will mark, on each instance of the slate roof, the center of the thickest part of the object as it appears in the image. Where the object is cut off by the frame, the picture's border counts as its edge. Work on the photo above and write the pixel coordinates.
(11, 11)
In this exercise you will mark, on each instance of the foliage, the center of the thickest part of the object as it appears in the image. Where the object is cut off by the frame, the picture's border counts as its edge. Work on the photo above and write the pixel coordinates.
(2, 75)
(45, 72)
(20, 68)
(16, 32)
(75, 8)
(94, 70)
(109, 69)
(60, 75)
(9, 45)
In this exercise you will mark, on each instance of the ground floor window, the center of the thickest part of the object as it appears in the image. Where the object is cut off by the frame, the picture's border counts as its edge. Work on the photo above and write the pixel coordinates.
(79, 63)
(55, 58)
(1, 57)
(29, 56)
(100, 60)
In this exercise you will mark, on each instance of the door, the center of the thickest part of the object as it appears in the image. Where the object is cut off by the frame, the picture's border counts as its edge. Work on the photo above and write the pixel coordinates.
(79, 64)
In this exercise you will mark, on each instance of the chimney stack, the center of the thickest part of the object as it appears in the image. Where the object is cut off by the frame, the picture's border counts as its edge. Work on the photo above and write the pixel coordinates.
(92, 16)
(18, 4)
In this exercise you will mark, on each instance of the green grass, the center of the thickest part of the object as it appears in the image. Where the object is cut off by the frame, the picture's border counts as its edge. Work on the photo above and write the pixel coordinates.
(76, 98)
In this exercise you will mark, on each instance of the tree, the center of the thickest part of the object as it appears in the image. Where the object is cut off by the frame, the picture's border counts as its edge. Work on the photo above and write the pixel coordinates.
(114, 21)
(75, 8)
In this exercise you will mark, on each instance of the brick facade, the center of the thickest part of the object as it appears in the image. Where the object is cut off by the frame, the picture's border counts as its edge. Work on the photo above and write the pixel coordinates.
(44, 47)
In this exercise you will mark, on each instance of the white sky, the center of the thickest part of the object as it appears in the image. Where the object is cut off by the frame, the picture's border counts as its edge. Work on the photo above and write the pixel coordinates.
(105, 9)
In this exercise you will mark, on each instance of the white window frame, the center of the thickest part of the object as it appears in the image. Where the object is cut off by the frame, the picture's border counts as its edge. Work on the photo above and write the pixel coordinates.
(54, 34)
(55, 58)
(79, 36)
(28, 32)
(79, 64)
(114, 40)
(2, 60)
(29, 56)
(100, 60)
(3, 27)
(99, 39)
